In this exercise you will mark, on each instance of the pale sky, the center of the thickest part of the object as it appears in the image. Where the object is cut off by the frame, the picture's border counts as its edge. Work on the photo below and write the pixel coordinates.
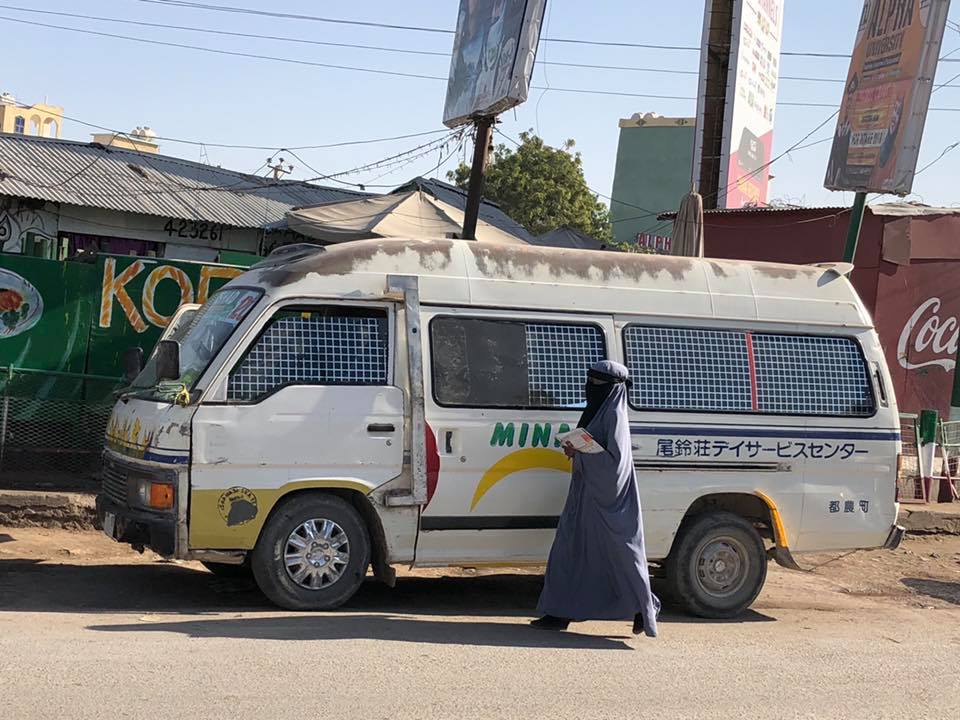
(214, 98)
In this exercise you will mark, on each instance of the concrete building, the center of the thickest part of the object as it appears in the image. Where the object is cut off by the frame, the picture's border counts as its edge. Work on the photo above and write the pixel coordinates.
(140, 139)
(652, 174)
(40, 120)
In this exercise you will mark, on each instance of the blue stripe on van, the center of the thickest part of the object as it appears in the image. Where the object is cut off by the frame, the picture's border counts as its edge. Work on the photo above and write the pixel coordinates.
(731, 431)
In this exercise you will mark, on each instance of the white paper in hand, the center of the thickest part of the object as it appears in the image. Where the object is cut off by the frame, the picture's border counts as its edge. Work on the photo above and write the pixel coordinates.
(581, 441)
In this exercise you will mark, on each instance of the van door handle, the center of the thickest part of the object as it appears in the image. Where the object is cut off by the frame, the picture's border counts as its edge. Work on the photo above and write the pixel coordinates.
(381, 428)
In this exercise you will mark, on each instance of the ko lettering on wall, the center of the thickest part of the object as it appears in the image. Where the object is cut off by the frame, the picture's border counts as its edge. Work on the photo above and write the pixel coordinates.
(148, 294)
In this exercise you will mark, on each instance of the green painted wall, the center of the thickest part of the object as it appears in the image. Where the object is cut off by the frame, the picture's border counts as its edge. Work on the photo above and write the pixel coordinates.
(653, 171)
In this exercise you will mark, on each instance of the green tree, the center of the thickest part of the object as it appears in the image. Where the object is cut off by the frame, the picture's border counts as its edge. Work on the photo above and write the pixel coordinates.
(542, 188)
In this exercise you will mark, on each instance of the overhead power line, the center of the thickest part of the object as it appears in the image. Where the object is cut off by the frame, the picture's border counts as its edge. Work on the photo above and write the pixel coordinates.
(378, 71)
(376, 48)
(444, 31)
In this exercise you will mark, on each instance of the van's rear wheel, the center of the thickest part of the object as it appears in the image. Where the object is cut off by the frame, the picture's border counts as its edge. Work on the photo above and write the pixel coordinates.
(718, 566)
(313, 554)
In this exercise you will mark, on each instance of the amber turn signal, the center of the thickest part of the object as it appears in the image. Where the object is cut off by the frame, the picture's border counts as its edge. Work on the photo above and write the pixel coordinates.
(161, 496)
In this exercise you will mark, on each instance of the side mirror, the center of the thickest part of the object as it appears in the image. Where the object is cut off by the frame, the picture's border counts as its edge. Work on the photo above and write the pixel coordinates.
(132, 363)
(168, 360)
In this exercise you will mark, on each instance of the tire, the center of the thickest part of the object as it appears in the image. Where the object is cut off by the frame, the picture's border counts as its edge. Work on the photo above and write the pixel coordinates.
(224, 570)
(305, 585)
(717, 566)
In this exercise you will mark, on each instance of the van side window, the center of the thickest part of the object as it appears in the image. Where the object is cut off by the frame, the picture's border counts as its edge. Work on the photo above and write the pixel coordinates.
(803, 375)
(690, 369)
(314, 346)
(479, 362)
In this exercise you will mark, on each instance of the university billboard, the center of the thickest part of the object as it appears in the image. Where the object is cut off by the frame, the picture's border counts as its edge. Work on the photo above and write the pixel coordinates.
(751, 100)
(887, 94)
(493, 54)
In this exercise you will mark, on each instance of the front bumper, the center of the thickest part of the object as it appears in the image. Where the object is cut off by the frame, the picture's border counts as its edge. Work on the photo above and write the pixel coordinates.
(895, 537)
(139, 528)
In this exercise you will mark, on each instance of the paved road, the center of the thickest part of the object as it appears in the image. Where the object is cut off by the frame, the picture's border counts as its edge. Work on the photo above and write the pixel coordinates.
(121, 638)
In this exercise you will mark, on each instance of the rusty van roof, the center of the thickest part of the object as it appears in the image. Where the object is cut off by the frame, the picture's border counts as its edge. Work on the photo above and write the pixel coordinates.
(526, 276)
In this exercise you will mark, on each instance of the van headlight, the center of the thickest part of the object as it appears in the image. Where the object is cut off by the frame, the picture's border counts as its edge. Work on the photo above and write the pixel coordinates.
(153, 494)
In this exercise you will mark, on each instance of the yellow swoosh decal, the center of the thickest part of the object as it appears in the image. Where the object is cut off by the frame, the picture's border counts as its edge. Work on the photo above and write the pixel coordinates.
(529, 459)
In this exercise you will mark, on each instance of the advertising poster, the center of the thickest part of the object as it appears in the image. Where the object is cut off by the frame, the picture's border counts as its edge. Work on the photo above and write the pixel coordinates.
(884, 108)
(493, 55)
(751, 102)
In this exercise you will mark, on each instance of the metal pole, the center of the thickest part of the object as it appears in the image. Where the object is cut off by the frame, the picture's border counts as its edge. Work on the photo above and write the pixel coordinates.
(955, 397)
(856, 220)
(484, 128)
(4, 417)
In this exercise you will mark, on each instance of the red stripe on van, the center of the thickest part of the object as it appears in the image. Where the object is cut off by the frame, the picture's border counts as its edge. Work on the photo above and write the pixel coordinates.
(752, 365)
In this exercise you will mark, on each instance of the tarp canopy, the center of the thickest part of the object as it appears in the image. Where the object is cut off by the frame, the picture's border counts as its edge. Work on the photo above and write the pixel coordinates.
(413, 214)
(567, 237)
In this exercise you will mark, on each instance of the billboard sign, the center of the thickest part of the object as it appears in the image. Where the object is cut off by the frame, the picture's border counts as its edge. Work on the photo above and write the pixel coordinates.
(493, 54)
(884, 108)
(752, 83)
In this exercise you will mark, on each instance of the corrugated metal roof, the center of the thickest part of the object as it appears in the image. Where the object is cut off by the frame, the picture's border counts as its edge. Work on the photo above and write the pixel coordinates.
(111, 178)
(879, 209)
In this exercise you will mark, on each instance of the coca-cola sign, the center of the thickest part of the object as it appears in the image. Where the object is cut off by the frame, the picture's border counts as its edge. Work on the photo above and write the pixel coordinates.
(927, 339)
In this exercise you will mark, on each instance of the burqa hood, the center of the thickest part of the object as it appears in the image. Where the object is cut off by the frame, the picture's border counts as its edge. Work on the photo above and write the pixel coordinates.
(606, 381)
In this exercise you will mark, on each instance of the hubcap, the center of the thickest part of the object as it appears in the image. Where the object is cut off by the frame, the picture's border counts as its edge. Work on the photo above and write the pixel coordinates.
(316, 554)
(722, 566)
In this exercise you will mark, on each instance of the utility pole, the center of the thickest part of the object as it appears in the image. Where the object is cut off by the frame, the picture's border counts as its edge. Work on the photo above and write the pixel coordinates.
(481, 148)
(278, 170)
(853, 230)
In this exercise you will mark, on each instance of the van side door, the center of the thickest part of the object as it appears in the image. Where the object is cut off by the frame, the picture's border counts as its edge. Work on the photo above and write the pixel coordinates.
(500, 386)
(310, 402)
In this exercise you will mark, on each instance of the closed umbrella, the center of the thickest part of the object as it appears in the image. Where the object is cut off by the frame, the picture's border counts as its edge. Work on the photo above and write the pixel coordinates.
(688, 226)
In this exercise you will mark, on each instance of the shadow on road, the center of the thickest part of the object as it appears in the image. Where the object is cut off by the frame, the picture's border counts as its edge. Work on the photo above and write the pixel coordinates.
(33, 586)
(378, 627)
(4, 538)
(948, 591)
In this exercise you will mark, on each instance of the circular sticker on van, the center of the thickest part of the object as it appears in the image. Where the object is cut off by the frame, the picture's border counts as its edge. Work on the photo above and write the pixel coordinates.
(237, 506)
(20, 304)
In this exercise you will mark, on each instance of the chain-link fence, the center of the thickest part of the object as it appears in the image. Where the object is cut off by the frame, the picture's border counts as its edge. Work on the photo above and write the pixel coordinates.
(53, 422)
(909, 480)
(950, 444)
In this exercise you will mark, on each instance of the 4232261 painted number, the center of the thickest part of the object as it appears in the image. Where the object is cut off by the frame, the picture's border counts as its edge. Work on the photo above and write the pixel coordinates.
(193, 230)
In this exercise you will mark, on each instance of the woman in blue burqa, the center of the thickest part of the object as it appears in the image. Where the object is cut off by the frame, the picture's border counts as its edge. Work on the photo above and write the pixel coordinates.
(598, 566)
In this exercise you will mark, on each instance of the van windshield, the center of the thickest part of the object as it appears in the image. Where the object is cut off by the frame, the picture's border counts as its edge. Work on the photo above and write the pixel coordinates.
(206, 334)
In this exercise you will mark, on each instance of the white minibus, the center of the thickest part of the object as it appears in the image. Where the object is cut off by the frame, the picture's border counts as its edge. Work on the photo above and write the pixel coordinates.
(397, 402)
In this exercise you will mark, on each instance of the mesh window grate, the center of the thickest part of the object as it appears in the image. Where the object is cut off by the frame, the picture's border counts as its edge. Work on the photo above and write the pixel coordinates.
(558, 357)
(688, 369)
(314, 348)
(799, 375)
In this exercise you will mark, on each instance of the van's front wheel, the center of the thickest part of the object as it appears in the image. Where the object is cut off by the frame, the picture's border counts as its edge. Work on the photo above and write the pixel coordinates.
(313, 554)
(718, 566)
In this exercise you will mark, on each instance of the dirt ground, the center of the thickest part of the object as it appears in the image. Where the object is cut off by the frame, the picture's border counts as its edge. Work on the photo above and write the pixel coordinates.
(923, 573)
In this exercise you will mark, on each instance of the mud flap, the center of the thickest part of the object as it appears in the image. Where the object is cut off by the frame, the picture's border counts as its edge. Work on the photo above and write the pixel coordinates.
(783, 557)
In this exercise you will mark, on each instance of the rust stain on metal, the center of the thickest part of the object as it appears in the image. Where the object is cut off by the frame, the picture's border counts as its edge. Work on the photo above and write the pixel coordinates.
(718, 269)
(782, 272)
(512, 261)
(349, 257)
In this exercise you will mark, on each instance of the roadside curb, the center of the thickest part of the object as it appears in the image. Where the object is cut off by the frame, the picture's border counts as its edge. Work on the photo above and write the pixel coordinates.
(931, 522)
(67, 510)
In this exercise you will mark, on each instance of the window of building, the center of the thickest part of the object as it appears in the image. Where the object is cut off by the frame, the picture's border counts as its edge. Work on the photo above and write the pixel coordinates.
(20, 124)
(314, 346)
(481, 362)
(687, 369)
